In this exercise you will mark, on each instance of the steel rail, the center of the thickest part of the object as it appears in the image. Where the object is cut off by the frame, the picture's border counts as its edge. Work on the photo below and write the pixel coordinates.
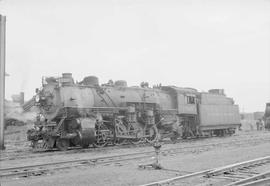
(238, 165)
(261, 182)
(251, 179)
(42, 167)
(100, 160)
(151, 153)
(177, 178)
(97, 160)
(211, 172)
(94, 160)
(79, 150)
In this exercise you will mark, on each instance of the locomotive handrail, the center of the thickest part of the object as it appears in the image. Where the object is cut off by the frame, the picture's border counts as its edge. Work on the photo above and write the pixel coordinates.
(121, 108)
(109, 98)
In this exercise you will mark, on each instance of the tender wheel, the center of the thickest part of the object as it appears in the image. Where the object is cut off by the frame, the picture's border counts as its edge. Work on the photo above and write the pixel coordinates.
(153, 134)
(62, 144)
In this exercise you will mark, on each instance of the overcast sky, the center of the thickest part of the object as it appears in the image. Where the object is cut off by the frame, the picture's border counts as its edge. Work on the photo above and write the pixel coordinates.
(200, 43)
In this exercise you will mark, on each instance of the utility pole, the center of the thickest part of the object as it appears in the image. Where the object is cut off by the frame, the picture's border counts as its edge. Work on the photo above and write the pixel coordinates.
(2, 77)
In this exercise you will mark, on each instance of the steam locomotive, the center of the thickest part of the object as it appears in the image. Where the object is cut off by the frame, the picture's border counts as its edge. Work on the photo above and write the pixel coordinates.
(86, 113)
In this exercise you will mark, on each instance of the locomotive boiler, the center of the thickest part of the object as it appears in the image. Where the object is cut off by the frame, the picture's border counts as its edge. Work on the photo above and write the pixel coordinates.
(87, 113)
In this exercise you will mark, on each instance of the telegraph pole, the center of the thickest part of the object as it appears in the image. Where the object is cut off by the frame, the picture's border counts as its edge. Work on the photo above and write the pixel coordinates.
(2, 77)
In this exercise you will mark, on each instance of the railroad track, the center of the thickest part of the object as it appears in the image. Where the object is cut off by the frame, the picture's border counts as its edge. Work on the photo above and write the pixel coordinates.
(40, 169)
(29, 154)
(238, 174)
(11, 155)
(23, 153)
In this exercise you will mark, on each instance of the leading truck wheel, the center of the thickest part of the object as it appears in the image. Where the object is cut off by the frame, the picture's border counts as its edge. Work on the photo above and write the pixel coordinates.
(62, 144)
(44, 144)
(153, 134)
(101, 140)
(40, 146)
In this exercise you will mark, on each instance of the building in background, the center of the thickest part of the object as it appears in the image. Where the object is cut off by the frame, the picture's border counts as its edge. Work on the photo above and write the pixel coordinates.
(267, 116)
(248, 120)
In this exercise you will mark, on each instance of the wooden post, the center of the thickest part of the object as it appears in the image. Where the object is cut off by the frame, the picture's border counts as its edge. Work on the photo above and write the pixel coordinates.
(2, 77)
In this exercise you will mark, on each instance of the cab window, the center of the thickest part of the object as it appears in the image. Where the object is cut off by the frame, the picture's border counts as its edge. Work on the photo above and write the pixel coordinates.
(190, 100)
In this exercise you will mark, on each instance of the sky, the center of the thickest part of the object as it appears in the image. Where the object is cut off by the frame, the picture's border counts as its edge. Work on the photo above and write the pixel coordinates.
(202, 44)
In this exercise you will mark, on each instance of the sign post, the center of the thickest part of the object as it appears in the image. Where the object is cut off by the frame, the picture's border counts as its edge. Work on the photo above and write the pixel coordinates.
(2, 77)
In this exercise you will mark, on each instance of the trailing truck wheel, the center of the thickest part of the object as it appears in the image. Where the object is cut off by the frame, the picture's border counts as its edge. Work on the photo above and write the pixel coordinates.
(62, 144)
(153, 134)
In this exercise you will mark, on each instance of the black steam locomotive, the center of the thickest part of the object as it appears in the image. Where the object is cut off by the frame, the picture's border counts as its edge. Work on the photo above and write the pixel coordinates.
(86, 113)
